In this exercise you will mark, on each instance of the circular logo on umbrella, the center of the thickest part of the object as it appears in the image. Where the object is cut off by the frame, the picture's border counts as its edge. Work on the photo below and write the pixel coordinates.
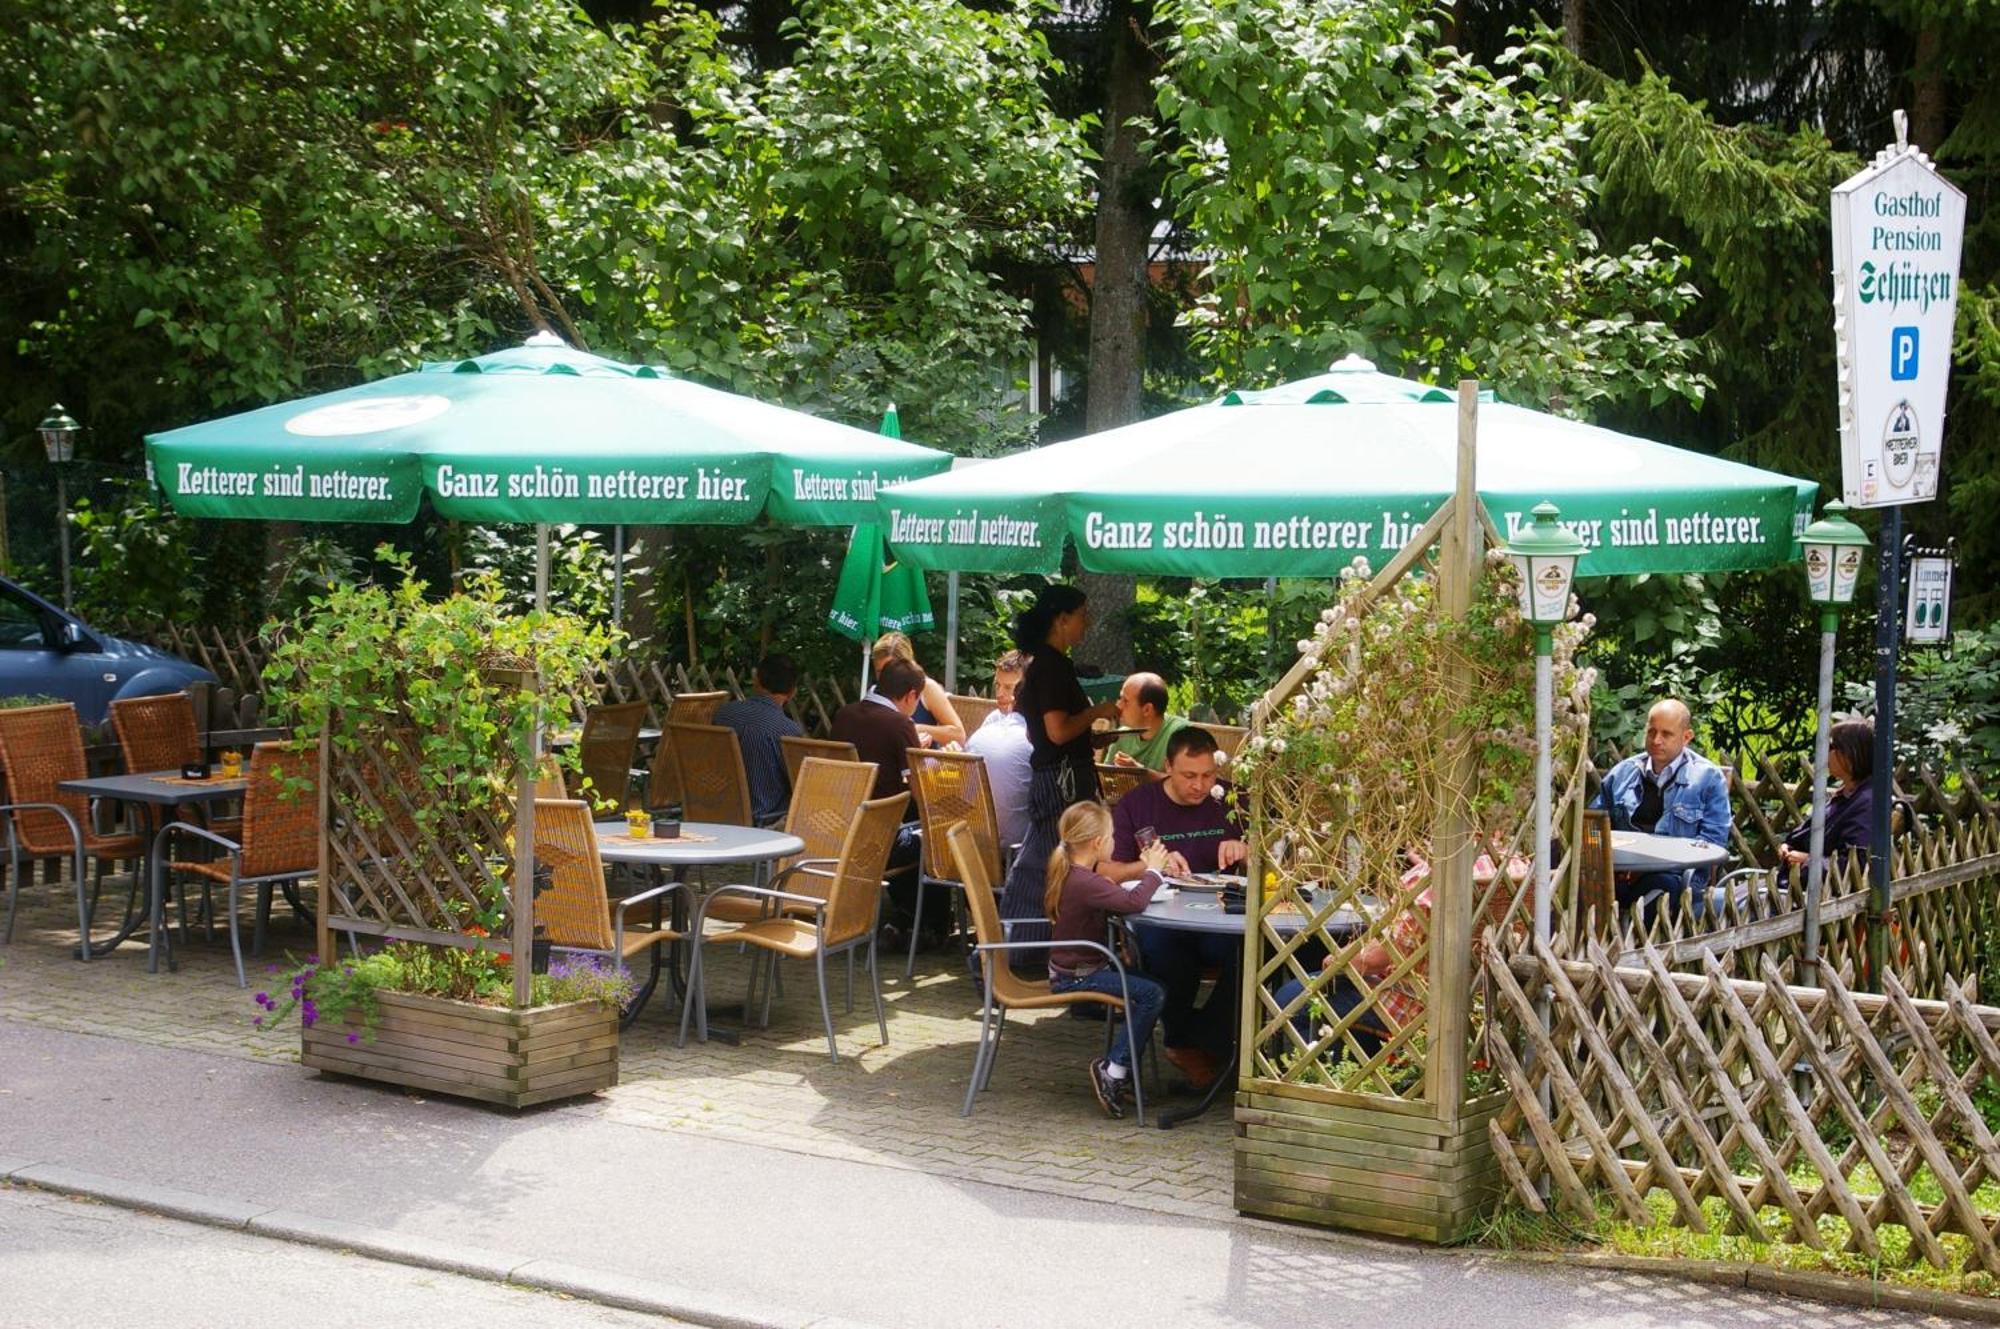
(368, 415)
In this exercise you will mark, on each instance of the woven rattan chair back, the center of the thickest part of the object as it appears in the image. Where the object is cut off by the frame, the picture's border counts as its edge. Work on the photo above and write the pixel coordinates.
(1229, 737)
(42, 746)
(972, 711)
(969, 861)
(576, 910)
(605, 751)
(1595, 891)
(280, 816)
(1114, 782)
(156, 733)
(713, 785)
(825, 796)
(856, 891)
(549, 780)
(663, 779)
(952, 787)
(795, 750)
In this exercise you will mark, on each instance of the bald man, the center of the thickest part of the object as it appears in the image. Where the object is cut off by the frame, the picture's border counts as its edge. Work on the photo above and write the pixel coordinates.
(1669, 789)
(1142, 705)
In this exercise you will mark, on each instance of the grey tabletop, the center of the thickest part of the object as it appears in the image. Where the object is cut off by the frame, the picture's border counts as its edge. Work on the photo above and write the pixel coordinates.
(1635, 851)
(722, 844)
(1202, 911)
(161, 788)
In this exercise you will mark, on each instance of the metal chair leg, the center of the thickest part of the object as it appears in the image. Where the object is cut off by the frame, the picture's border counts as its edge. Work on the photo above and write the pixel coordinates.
(13, 888)
(875, 981)
(916, 930)
(692, 1002)
(999, 1032)
(979, 1057)
(825, 1006)
(235, 937)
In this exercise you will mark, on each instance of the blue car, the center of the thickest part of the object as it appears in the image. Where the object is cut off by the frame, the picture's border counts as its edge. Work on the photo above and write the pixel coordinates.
(47, 652)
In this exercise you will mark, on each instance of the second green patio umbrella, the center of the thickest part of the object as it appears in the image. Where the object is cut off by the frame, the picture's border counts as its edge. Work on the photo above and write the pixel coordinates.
(1299, 480)
(875, 593)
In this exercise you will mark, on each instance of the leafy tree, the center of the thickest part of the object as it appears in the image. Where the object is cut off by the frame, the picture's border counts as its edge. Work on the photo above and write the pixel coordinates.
(1365, 188)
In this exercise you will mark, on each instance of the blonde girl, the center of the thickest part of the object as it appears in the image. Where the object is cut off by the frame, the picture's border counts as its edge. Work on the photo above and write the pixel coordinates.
(1079, 901)
(936, 718)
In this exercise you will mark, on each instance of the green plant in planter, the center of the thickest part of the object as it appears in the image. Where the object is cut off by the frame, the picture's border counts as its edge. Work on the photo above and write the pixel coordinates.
(446, 690)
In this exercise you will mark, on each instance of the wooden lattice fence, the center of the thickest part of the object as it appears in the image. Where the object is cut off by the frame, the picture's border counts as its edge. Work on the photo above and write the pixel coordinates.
(238, 660)
(1824, 1116)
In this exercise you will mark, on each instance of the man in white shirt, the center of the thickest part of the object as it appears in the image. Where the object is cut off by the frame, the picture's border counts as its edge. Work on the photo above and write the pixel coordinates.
(1002, 740)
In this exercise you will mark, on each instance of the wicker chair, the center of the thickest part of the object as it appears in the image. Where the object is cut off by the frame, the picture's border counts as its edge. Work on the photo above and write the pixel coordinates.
(605, 751)
(795, 750)
(972, 711)
(1595, 892)
(278, 843)
(156, 733)
(950, 787)
(549, 779)
(40, 747)
(1008, 991)
(713, 785)
(1114, 781)
(1229, 737)
(843, 918)
(577, 913)
(663, 779)
(825, 796)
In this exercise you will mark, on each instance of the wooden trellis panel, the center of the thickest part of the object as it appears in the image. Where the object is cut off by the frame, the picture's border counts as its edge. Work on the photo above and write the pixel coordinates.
(1791, 1106)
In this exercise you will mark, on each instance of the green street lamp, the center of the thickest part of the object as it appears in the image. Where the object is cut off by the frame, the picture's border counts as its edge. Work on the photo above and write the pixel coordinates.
(59, 430)
(1833, 552)
(1545, 554)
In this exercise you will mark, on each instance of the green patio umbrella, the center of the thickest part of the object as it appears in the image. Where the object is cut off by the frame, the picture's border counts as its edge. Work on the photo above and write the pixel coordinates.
(1298, 480)
(540, 433)
(875, 593)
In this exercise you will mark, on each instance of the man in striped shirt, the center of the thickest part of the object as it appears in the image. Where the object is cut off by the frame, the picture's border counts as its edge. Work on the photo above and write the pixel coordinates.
(760, 721)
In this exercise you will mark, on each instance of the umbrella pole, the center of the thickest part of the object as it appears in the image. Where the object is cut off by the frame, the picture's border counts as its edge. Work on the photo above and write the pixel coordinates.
(951, 632)
(618, 575)
(866, 646)
(542, 567)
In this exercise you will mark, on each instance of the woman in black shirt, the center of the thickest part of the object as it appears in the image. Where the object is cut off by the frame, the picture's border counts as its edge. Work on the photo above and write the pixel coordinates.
(1059, 717)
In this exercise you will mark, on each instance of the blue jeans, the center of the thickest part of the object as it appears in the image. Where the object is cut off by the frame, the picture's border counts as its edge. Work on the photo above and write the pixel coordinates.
(1340, 999)
(1146, 999)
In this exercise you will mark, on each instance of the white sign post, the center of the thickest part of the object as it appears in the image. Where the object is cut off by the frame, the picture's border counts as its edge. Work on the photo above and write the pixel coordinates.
(1897, 229)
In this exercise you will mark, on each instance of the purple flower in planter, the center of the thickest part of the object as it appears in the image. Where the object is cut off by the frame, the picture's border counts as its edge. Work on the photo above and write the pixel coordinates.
(354, 1038)
(308, 1013)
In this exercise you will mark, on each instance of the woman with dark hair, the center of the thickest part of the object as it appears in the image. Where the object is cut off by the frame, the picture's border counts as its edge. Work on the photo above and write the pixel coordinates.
(1850, 809)
(1062, 765)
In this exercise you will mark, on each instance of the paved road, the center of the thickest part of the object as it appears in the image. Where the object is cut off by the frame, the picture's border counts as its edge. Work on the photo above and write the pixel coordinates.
(801, 1235)
(71, 1264)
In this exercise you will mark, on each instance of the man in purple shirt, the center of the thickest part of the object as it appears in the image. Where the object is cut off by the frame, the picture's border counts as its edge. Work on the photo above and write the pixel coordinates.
(1190, 816)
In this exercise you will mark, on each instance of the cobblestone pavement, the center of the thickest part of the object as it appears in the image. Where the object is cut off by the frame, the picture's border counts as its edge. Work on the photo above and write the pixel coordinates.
(1037, 1128)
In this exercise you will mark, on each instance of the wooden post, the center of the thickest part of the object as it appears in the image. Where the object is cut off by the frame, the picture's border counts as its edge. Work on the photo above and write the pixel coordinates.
(1449, 1006)
(324, 795)
(523, 944)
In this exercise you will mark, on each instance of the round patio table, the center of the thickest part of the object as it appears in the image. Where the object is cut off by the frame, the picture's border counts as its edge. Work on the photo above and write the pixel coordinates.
(1636, 851)
(719, 845)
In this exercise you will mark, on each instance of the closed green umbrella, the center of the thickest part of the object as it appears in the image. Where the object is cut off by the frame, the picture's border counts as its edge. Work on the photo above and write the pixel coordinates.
(1301, 479)
(540, 433)
(875, 593)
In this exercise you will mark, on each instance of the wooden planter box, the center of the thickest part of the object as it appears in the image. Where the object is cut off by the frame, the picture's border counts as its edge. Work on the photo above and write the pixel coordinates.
(514, 1058)
(1368, 1164)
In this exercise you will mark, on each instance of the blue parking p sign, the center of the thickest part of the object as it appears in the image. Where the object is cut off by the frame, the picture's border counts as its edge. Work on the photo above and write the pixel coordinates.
(1902, 353)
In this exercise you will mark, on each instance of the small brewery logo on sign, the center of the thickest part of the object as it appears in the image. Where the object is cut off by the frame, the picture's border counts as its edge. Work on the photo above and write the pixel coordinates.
(1900, 441)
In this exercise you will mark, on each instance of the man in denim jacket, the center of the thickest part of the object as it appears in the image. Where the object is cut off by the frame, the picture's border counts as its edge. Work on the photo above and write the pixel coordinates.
(1669, 790)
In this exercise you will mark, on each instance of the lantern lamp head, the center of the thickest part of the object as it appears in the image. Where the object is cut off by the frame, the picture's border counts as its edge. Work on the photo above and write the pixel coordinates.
(1545, 553)
(1833, 550)
(58, 430)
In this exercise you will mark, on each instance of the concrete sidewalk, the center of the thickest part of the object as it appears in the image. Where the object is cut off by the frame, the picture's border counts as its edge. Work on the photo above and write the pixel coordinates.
(743, 1234)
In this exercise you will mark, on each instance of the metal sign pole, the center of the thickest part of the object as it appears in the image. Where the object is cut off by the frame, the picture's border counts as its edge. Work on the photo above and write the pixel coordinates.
(1888, 614)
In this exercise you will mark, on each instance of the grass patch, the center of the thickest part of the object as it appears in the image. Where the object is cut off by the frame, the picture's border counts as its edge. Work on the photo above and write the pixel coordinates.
(1514, 1228)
